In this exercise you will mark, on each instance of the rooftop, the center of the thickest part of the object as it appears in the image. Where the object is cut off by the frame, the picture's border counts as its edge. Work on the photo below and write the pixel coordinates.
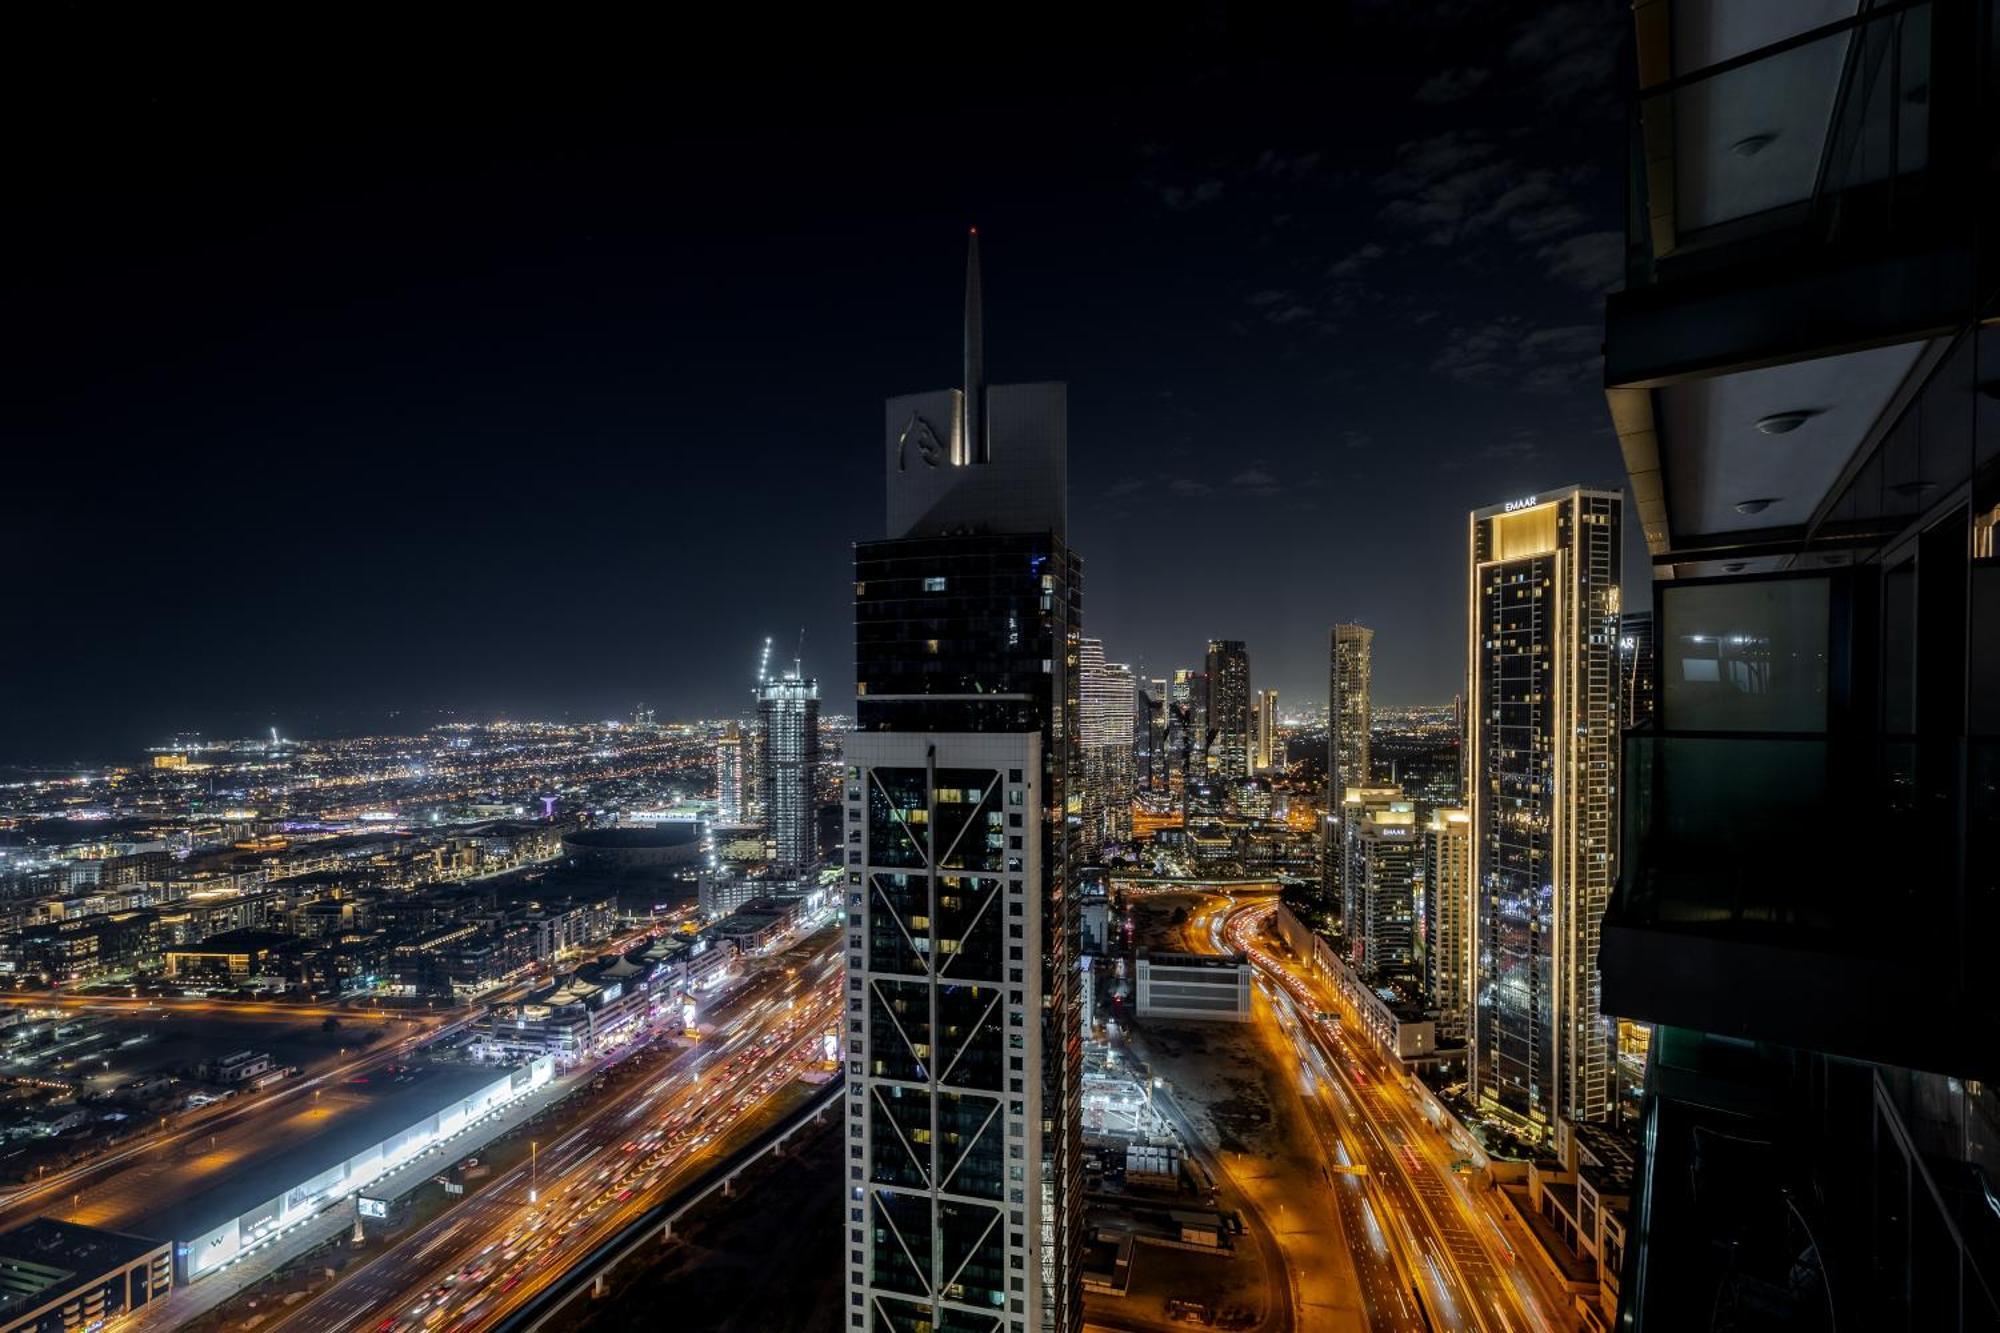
(317, 1136)
(1216, 961)
(236, 941)
(1608, 1156)
(66, 1255)
(634, 836)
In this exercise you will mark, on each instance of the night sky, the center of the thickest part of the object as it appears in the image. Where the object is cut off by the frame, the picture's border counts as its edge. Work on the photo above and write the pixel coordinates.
(546, 384)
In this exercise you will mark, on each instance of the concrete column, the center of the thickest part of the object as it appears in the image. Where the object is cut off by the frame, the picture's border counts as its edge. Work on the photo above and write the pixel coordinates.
(598, 1288)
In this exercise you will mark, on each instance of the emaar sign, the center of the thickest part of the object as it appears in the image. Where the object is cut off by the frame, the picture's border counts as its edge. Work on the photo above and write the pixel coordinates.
(1526, 502)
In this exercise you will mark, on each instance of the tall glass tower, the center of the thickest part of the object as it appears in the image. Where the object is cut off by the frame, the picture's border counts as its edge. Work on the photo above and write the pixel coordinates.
(730, 804)
(1105, 731)
(1229, 707)
(1350, 665)
(1542, 691)
(964, 1043)
(788, 771)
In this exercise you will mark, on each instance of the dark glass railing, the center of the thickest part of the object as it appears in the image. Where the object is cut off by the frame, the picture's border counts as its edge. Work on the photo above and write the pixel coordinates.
(1831, 137)
(1829, 894)
(1864, 847)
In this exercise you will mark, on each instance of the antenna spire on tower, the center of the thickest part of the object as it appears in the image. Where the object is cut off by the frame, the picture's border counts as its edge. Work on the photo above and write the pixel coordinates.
(973, 427)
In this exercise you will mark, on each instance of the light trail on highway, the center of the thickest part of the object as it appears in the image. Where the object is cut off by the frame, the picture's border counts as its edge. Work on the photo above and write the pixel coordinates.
(471, 1267)
(1446, 1244)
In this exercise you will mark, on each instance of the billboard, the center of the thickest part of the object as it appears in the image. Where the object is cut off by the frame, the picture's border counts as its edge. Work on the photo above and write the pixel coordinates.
(368, 1207)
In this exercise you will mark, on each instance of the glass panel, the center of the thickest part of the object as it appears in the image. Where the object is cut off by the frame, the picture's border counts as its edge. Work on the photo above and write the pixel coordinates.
(900, 1119)
(1899, 649)
(1825, 137)
(973, 1150)
(970, 1037)
(1986, 402)
(898, 815)
(1731, 838)
(969, 832)
(899, 1032)
(1750, 139)
(899, 928)
(1745, 656)
(1913, 89)
(972, 1245)
(900, 1249)
(1983, 633)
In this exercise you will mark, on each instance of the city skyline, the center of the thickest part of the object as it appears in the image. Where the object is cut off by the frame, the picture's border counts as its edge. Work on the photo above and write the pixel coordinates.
(542, 786)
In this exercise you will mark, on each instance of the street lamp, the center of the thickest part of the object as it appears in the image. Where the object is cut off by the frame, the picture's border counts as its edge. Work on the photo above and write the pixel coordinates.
(534, 1171)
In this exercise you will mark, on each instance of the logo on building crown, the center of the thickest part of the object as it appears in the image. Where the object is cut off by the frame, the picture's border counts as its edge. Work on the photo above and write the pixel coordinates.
(930, 449)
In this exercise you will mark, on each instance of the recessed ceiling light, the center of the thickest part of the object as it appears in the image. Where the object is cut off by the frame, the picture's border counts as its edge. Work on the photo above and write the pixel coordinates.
(1784, 423)
(1757, 505)
(1753, 144)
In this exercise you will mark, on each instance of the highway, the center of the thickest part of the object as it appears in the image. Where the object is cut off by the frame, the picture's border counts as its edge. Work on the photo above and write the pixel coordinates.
(484, 1259)
(196, 1004)
(1389, 1169)
(1385, 1297)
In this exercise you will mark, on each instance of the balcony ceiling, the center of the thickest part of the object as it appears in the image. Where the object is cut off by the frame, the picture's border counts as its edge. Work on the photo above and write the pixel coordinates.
(1713, 457)
(1708, 32)
(1750, 140)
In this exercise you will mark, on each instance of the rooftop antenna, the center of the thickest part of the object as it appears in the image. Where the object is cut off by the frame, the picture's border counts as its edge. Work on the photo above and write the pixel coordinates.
(764, 662)
(973, 427)
(798, 662)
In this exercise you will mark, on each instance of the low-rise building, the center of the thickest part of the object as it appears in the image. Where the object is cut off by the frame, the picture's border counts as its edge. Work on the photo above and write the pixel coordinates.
(727, 889)
(57, 1276)
(1194, 985)
(1396, 1023)
(763, 924)
(79, 949)
(691, 965)
(237, 1067)
(1575, 1206)
(583, 1013)
(233, 956)
(395, 1122)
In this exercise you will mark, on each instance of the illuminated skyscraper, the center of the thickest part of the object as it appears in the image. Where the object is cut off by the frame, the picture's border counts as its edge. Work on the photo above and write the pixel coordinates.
(1229, 707)
(964, 1043)
(1379, 828)
(1105, 731)
(1349, 667)
(730, 805)
(1187, 714)
(1542, 691)
(1153, 730)
(788, 771)
(1269, 749)
(1447, 969)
